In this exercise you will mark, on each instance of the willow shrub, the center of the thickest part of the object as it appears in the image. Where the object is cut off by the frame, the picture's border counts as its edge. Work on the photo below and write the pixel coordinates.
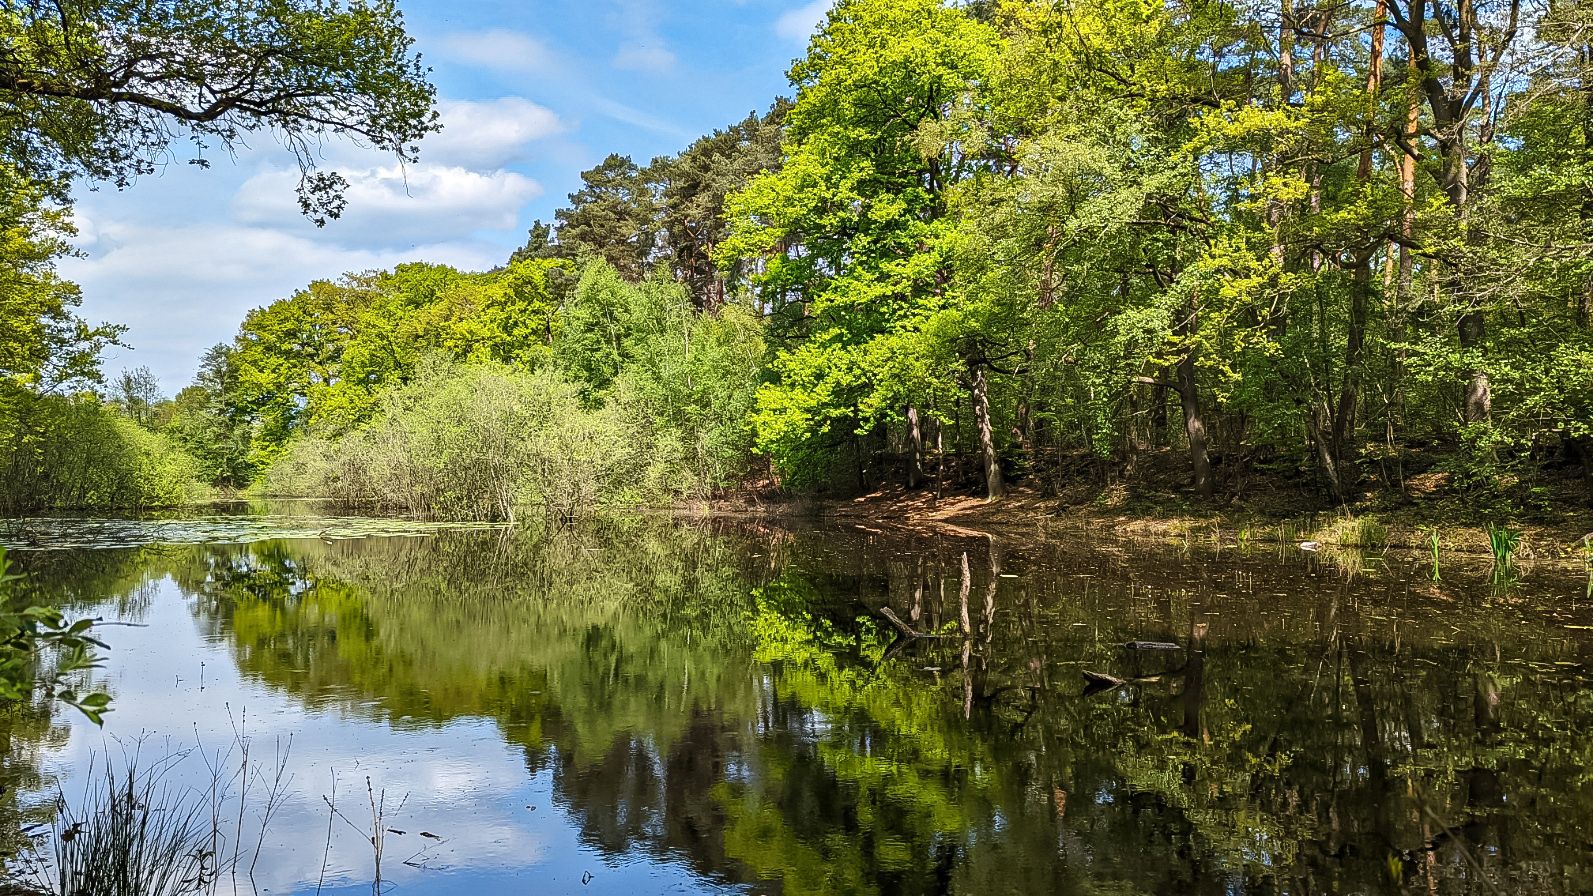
(76, 453)
(472, 442)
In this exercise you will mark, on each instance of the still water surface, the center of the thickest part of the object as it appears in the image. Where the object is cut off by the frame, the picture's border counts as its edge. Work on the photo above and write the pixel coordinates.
(717, 707)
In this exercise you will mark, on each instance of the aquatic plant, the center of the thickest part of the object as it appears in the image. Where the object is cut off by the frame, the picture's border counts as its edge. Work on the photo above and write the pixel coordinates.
(39, 647)
(1503, 543)
(1353, 532)
(1587, 562)
(133, 831)
(1434, 546)
(376, 835)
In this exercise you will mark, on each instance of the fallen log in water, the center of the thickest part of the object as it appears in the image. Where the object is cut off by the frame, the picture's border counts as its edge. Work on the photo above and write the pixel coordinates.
(1152, 645)
(902, 628)
(1100, 680)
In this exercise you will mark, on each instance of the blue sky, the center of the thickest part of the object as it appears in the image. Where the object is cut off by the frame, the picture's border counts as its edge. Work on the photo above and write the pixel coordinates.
(530, 95)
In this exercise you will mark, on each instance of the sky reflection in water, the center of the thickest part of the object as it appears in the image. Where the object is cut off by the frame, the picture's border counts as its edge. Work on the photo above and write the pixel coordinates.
(683, 709)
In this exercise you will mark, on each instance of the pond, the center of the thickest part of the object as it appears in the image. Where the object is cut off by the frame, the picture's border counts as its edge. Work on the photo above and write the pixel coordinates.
(719, 706)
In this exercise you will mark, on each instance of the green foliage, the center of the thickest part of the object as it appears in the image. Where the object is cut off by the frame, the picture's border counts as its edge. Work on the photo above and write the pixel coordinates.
(613, 217)
(683, 380)
(319, 361)
(852, 229)
(104, 89)
(77, 453)
(478, 396)
(40, 648)
(1043, 237)
(43, 345)
(469, 442)
(101, 92)
(1503, 543)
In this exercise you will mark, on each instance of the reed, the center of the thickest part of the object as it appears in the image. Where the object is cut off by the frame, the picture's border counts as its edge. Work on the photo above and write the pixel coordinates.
(1503, 543)
(1434, 542)
(135, 831)
(1587, 563)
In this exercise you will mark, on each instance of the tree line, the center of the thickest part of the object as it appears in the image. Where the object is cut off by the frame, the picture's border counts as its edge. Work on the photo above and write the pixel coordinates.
(103, 92)
(1340, 247)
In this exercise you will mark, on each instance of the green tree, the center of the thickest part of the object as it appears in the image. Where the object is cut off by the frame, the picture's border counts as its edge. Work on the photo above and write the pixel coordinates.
(693, 188)
(614, 216)
(850, 232)
(104, 89)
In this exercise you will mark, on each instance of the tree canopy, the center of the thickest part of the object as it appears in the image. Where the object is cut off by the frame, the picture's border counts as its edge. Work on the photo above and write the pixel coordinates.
(105, 89)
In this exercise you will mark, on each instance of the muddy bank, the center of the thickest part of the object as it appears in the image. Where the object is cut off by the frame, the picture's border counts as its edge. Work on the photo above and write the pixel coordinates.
(1024, 512)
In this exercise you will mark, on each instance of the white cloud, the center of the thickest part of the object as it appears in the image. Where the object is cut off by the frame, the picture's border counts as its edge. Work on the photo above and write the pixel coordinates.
(180, 288)
(180, 262)
(499, 49)
(644, 58)
(488, 134)
(637, 118)
(798, 25)
(392, 205)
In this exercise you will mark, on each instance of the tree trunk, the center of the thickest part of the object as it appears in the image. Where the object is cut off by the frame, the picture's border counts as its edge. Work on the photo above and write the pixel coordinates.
(1325, 455)
(1582, 447)
(940, 457)
(987, 438)
(1194, 422)
(1343, 434)
(1406, 277)
(1472, 50)
(915, 438)
(1158, 414)
(1479, 393)
(1584, 305)
(1343, 472)
(1194, 693)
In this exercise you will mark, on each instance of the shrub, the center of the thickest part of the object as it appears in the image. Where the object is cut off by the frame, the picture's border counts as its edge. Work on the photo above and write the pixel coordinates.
(471, 442)
(74, 452)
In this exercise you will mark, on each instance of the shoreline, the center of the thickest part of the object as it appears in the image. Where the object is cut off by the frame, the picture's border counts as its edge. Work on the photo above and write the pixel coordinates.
(1022, 511)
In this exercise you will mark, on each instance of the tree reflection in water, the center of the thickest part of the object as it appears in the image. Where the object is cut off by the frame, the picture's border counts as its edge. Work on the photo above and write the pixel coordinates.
(731, 697)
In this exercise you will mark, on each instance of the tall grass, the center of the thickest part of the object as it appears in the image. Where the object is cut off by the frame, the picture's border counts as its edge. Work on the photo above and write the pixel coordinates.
(1434, 543)
(1353, 532)
(1503, 544)
(133, 833)
(136, 832)
(1587, 562)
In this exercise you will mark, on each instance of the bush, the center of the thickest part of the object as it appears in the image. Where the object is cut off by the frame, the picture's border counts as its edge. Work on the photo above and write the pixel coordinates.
(471, 442)
(684, 382)
(76, 453)
(643, 398)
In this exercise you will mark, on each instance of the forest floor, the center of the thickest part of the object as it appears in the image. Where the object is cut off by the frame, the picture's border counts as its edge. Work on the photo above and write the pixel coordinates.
(1558, 526)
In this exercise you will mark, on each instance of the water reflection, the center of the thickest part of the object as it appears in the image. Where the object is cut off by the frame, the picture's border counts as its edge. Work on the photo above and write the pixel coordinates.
(686, 708)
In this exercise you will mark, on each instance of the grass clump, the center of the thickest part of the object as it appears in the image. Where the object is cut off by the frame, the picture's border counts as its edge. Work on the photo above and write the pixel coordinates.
(1364, 532)
(136, 832)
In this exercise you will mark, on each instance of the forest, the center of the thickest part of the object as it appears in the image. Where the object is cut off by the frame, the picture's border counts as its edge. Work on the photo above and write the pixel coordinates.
(1169, 312)
(1340, 249)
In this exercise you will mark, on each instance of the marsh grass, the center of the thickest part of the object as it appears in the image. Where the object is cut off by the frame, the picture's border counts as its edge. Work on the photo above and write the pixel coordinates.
(1587, 563)
(1434, 543)
(1364, 532)
(133, 832)
(1503, 544)
(136, 831)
